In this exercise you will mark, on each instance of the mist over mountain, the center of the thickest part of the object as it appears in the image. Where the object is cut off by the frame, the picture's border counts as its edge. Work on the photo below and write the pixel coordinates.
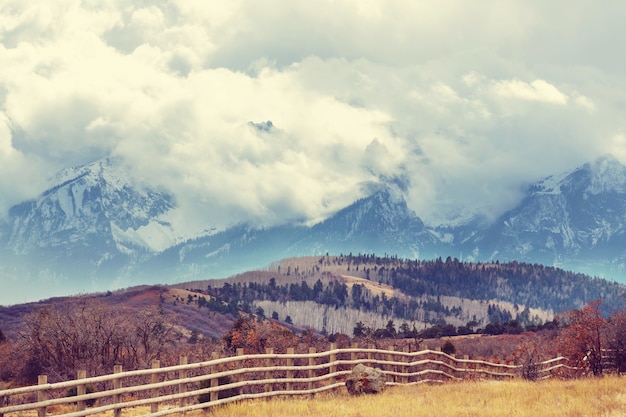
(575, 220)
(83, 233)
(98, 229)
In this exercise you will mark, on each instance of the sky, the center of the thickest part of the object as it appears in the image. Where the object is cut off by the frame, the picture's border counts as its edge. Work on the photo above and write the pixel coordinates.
(281, 111)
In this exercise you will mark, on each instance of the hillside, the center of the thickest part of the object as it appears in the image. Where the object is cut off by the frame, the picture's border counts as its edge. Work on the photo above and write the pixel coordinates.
(308, 301)
(333, 293)
(171, 301)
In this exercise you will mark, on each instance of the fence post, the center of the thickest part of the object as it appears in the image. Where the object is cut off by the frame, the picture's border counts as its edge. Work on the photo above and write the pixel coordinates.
(332, 358)
(268, 373)
(370, 355)
(240, 352)
(154, 378)
(182, 387)
(290, 362)
(42, 395)
(406, 368)
(81, 390)
(465, 366)
(391, 358)
(454, 363)
(214, 381)
(311, 371)
(117, 384)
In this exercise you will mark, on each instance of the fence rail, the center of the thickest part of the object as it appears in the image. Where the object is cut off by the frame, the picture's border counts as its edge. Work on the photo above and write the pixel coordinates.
(186, 387)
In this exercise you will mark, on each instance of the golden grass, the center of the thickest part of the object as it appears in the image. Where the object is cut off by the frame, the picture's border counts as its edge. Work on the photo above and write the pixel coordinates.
(593, 397)
(604, 397)
(374, 287)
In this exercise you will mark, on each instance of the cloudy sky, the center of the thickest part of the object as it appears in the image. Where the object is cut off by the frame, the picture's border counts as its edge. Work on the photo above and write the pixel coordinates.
(278, 110)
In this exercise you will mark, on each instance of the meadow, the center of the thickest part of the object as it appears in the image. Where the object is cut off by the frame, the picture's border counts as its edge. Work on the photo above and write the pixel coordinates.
(580, 397)
(597, 397)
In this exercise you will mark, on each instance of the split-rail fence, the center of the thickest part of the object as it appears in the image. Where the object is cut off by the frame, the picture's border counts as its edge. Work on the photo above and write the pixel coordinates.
(185, 387)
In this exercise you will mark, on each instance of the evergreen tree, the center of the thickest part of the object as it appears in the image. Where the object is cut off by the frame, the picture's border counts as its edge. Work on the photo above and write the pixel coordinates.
(359, 330)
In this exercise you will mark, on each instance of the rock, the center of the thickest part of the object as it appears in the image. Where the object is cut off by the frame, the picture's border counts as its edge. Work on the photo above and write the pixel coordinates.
(365, 380)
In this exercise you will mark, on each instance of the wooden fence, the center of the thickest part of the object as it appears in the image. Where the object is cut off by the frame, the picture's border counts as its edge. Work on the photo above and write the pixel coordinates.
(185, 387)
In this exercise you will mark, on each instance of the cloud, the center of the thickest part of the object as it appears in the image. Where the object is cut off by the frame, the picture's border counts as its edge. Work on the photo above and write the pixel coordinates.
(461, 104)
(537, 90)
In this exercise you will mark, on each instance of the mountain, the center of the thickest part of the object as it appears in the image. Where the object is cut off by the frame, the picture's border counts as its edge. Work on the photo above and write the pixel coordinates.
(380, 223)
(85, 231)
(575, 220)
(97, 229)
(220, 254)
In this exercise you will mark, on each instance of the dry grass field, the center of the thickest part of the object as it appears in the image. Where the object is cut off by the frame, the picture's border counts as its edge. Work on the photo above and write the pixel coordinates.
(589, 397)
(374, 287)
(603, 397)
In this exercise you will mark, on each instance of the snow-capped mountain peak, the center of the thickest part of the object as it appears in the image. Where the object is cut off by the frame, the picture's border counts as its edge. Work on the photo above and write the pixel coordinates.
(574, 219)
(605, 174)
(97, 224)
(92, 206)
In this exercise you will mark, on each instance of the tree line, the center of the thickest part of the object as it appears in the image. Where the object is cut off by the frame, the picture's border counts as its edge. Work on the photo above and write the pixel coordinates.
(426, 281)
(61, 339)
(522, 283)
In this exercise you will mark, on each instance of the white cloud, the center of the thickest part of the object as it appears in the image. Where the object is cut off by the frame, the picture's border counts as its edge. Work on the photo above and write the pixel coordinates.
(584, 102)
(537, 90)
(465, 102)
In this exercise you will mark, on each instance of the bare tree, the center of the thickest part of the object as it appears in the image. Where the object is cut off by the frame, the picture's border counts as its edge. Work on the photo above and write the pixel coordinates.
(90, 335)
(616, 340)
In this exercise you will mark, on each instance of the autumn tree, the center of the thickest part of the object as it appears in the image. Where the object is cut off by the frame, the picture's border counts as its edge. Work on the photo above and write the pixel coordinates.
(529, 355)
(62, 339)
(255, 336)
(149, 337)
(9, 359)
(616, 339)
(581, 341)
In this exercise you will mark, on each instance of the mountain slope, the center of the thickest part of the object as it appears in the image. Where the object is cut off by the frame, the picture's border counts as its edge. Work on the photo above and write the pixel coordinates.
(379, 223)
(575, 220)
(92, 225)
(97, 230)
(221, 254)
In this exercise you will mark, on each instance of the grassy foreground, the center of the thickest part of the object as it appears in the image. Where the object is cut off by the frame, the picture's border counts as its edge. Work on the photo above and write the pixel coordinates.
(601, 397)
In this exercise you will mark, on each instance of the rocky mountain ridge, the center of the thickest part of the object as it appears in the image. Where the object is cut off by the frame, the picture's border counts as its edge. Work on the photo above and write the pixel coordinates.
(575, 220)
(97, 230)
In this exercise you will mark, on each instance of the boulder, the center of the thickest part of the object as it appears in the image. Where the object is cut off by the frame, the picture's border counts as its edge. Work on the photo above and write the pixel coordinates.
(365, 380)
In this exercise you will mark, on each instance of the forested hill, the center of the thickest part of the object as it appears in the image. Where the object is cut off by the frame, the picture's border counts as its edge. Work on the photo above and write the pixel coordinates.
(524, 284)
(339, 293)
(335, 292)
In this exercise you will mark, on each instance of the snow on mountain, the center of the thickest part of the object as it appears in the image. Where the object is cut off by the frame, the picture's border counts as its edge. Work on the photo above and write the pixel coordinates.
(96, 226)
(89, 227)
(380, 223)
(99, 198)
(575, 220)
